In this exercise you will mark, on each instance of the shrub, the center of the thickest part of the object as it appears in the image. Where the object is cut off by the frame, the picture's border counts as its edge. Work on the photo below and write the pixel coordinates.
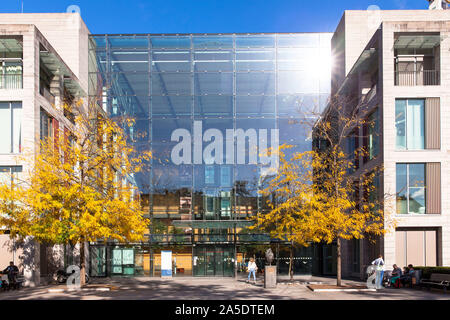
(427, 271)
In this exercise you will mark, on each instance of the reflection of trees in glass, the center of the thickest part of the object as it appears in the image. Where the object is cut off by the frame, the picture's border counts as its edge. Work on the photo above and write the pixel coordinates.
(410, 188)
(164, 232)
(247, 199)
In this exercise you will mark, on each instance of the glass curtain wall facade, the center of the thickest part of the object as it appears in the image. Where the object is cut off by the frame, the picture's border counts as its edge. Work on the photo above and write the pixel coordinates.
(195, 89)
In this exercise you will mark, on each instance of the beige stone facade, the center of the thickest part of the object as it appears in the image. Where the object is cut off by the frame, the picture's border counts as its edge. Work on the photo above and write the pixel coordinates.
(58, 44)
(419, 239)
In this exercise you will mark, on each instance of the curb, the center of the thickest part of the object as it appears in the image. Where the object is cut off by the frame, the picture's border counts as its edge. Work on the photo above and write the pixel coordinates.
(62, 290)
(342, 290)
(76, 290)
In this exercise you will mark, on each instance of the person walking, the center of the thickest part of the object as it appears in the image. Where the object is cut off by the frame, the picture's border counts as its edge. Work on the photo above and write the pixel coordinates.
(252, 269)
(379, 263)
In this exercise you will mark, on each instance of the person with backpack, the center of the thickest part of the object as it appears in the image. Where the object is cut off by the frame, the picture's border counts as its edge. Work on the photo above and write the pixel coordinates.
(379, 263)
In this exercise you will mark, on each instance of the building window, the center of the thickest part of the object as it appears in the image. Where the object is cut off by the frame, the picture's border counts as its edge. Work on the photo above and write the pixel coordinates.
(371, 191)
(355, 196)
(355, 244)
(10, 127)
(9, 173)
(225, 204)
(209, 175)
(209, 205)
(225, 176)
(11, 73)
(46, 130)
(410, 124)
(373, 135)
(411, 185)
(352, 147)
(373, 195)
(45, 79)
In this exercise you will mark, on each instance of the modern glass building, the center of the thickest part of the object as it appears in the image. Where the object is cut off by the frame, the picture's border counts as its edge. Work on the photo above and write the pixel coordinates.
(204, 105)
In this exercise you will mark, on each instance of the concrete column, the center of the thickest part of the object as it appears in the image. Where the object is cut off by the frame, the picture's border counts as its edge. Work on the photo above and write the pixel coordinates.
(57, 90)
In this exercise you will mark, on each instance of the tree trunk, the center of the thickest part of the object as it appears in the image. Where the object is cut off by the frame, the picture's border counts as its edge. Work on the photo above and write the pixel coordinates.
(291, 262)
(82, 263)
(338, 269)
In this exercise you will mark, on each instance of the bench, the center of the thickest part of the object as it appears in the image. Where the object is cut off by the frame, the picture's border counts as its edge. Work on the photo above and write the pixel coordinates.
(440, 280)
(5, 285)
(20, 282)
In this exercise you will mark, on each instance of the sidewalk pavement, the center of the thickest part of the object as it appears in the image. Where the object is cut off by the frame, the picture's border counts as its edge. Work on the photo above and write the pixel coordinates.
(190, 288)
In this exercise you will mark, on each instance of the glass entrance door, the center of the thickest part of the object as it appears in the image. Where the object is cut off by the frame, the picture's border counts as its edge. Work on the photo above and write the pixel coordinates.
(98, 261)
(228, 266)
(219, 261)
(211, 261)
(329, 258)
(123, 261)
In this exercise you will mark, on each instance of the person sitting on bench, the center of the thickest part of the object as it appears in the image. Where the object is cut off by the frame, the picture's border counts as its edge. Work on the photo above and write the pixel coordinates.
(408, 275)
(12, 272)
(396, 274)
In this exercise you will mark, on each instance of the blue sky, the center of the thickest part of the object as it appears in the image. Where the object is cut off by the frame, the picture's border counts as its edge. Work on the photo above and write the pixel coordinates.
(209, 16)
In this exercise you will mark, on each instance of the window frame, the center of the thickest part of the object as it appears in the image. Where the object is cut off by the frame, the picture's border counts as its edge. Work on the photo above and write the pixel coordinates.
(406, 148)
(12, 128)
(408, 187)
(13, 171)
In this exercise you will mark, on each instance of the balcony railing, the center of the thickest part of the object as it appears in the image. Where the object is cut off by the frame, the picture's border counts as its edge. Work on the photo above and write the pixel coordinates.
(417, 78)
(11, 81)
(170, 238)
(213, 238)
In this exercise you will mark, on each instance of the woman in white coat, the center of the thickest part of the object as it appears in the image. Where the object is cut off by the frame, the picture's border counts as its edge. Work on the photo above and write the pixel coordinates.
(252, 269)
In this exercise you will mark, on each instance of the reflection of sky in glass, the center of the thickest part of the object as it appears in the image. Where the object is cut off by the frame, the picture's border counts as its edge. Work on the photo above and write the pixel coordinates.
(227, 82)
(411, 188)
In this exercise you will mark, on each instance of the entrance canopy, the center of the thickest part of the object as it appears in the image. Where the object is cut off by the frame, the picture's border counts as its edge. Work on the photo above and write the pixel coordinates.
(413, 41)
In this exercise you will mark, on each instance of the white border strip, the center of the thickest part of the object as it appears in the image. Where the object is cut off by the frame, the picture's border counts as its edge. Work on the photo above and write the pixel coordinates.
(342, 290)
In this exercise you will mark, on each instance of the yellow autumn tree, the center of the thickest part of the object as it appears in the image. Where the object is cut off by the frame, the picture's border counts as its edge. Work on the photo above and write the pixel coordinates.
(80, 187)
(315, 194)
(289, 193)
(349, 201)
(337, 211)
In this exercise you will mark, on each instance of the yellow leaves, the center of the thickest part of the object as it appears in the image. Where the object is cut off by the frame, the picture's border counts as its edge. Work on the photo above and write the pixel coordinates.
(313, 200)
(79, 189)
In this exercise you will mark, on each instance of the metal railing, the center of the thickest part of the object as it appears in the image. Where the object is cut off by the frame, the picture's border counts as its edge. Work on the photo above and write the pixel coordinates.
(11, 81)
(213, 238)
(199, 238)
(170, 238)
(253, 237)
(417, 78)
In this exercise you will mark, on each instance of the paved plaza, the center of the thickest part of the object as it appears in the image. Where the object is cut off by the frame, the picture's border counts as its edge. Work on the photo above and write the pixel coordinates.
(216, 289)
